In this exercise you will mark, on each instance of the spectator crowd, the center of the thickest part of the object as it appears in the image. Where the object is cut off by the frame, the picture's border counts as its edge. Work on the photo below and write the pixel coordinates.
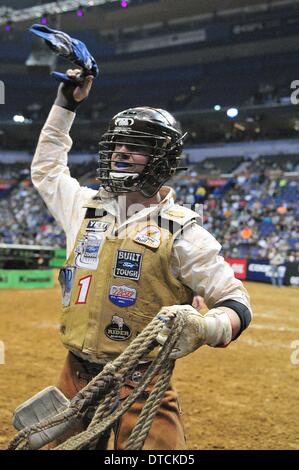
(253, 215)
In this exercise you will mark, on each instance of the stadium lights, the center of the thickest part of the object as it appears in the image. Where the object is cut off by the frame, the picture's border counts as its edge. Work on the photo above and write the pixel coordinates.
(232, 113)
(51, 8)
(80, 12)
(8, 26)
(18, 118)
(44, 19)
(63, 6)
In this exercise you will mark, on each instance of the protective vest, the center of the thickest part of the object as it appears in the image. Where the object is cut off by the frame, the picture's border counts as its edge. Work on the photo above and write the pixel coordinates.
(113, 283)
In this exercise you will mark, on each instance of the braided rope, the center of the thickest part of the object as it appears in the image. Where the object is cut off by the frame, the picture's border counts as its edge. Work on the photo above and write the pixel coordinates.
(89, 438)
(141, 430)
(97, 426)
(103, 391)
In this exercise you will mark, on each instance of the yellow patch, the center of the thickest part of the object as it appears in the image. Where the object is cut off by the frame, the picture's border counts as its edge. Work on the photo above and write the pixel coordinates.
(175, 213)
(149, 236)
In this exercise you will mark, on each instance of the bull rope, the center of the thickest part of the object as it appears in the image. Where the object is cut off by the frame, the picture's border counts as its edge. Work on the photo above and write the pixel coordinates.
(101, 393)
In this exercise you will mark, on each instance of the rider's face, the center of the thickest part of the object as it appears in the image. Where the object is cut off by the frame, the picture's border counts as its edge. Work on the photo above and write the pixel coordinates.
(129, 158)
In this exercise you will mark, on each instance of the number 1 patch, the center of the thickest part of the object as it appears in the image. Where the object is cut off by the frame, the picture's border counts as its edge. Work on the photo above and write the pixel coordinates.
(84, 285)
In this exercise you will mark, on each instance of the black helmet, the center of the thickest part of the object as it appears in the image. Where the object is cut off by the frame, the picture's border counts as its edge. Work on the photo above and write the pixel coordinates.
(148, 131)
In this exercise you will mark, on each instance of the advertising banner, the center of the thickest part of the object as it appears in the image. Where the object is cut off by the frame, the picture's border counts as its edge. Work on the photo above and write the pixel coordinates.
(59, 258)
(239, 267)
(26, 278)
(260, 270)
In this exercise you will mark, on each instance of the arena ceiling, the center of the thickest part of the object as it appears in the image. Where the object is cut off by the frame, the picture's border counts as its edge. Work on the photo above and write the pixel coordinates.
(203, 5)
(143, 11)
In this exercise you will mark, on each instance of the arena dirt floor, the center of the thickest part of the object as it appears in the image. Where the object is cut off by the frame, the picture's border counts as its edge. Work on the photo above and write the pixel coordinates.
(241, 397)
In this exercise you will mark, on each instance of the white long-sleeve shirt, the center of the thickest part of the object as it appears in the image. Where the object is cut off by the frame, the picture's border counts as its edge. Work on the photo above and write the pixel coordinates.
(195, 259)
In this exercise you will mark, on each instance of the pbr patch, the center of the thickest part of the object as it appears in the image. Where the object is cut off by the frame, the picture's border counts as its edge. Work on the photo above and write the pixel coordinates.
(87, 250)
(117, 330)
(128, 264)
(149, 236)
(122, 295)
(124, 121)
(97, 226)
(66, 280)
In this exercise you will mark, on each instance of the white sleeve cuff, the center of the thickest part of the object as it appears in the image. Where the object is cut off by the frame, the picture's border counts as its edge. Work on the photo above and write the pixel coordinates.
(61, 118)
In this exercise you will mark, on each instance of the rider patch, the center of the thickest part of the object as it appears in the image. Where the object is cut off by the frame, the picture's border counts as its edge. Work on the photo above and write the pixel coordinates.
(149, 236)
(117, 330)
(122, 295)
(87, 250)
(97, 226)
(66, 279)
(128, 264)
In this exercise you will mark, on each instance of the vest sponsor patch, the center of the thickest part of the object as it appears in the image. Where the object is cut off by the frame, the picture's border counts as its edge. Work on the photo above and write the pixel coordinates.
(87, 250)
(66, 280)
(149, 236)
(122, 295)
(128, 264)
(117, 330)
(97, 226)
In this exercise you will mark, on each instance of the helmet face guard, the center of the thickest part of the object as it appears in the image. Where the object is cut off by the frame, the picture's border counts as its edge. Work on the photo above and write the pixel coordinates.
(145, 131)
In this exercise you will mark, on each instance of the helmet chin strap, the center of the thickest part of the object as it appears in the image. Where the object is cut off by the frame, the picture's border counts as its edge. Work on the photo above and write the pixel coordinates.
(124, 180)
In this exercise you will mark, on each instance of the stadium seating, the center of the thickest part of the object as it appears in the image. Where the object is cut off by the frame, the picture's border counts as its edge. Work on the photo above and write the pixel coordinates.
(259, 198)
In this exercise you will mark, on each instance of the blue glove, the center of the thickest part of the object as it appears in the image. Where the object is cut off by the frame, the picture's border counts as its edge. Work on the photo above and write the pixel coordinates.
(69, 48)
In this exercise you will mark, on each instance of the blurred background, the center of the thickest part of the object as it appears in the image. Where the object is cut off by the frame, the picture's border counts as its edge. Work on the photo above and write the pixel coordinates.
(227, 69)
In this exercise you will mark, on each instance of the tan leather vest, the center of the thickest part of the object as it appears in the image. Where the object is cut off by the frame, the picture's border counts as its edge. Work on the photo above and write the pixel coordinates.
(113, 285)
